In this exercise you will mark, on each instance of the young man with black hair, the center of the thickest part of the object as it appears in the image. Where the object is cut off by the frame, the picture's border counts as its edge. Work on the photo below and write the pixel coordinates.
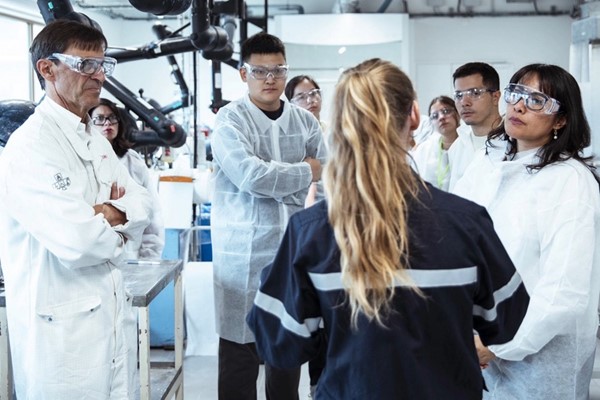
(267, 152)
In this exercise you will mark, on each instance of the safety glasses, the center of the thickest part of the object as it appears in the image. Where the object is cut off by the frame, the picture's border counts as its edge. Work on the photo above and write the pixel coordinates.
(533, 99)
(434, 116)
(262, 73)
(304, 98)
(473, 93)
(86, 66)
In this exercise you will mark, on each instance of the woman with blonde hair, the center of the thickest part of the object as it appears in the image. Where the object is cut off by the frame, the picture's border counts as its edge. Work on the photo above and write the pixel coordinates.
(395, 271)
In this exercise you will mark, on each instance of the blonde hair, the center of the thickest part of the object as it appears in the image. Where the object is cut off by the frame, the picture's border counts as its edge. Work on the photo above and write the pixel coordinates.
(369, 184)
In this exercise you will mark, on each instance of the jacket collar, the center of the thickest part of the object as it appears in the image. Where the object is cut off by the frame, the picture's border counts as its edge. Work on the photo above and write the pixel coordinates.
(265, 122)
(69, 125)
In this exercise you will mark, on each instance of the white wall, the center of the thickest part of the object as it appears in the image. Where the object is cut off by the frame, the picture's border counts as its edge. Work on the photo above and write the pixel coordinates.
(508, 43)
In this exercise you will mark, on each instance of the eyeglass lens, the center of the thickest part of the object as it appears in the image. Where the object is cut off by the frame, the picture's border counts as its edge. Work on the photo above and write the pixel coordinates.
(261, 73)
(306, 97)
(436, 114)
(474, 93)
(101, 119)
(535, 101)
(87, 66)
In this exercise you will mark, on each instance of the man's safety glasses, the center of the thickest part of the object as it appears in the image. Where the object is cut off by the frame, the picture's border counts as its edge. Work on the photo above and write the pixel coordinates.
(533, 99)
(473, 93)
(100, 120)
(86, 66)
(305, 98)
(261, 73)
(437, 114)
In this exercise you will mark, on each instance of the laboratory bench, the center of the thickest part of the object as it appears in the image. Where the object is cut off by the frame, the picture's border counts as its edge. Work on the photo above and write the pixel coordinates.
(143, 281)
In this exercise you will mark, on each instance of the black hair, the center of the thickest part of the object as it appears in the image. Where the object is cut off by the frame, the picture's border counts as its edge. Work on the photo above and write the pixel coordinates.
(295, 81)
(261, 43)
(59, 35)
(489, 75)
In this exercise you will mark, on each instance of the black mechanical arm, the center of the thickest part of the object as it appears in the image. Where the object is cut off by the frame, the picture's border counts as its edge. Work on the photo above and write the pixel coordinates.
(211, 40)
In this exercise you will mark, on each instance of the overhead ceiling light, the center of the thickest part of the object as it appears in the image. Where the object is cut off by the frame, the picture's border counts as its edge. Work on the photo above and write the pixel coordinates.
(342, 50)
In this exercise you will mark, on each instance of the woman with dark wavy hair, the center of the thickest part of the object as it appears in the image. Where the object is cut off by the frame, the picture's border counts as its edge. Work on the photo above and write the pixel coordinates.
(543, 195)
(396, 272)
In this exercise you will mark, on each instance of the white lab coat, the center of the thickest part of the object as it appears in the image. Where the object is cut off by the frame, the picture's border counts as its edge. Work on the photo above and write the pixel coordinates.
(260, 181)
(153, 237)
(431, 161)
(549, 222)
(462, 152)
(64, 293)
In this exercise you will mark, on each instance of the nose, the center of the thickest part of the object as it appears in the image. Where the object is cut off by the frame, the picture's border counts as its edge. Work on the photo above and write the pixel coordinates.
(519, 105)
(270, 76)
(106, 121)
(99, 75)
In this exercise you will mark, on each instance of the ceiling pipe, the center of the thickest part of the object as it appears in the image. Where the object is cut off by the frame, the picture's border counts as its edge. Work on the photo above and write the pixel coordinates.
(490, 14)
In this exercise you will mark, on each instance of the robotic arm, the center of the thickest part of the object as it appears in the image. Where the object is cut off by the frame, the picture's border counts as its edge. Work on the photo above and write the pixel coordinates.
(204, 37)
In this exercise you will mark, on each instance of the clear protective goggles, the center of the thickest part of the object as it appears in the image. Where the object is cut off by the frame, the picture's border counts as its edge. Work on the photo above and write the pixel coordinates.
(305, 98)
(262, 73)
(86, 66)
(473, 93)
(532, 98)
(434, 116)
(100, 120)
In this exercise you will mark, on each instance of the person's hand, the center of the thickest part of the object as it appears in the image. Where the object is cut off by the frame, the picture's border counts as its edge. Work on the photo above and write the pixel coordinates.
(111, 213)
(483, 353)
(315, 167)
(116, 192)
(311, 196)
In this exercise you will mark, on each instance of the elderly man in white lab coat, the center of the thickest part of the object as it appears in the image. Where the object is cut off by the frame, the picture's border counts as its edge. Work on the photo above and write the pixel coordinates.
(67, 208)
(266, 153)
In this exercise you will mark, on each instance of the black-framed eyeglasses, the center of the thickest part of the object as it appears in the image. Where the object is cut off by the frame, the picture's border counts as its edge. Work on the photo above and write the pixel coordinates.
(473, 93)
(532, 98)
(100, 120)
(305, 98)
(86, 66)
(434, 116)
(261, 73)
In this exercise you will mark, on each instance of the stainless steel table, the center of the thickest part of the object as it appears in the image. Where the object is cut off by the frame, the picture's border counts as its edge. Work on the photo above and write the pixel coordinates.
(143, 281)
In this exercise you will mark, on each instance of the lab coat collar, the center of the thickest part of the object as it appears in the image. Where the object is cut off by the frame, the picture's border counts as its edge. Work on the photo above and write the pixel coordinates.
(69, 124)
(265, 122)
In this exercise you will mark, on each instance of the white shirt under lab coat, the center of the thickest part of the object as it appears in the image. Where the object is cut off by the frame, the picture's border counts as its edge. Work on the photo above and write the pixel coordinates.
(462, 152)
(153, 237)
(64, 293)
(260, 181)
(431, 161)
(549, 222)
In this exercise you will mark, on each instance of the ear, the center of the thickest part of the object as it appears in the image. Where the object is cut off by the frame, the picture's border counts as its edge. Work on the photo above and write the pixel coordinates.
(46, 68)
(244, 74)
(415, 116)
(560, 122)
(496, 97)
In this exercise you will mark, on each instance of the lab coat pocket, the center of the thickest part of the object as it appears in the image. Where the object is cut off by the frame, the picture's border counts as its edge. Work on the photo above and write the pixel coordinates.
(78, 336)
(70, 310)
(79, 320)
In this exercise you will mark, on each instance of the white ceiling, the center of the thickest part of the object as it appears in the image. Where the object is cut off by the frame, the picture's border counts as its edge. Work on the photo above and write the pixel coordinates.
(416, 8)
